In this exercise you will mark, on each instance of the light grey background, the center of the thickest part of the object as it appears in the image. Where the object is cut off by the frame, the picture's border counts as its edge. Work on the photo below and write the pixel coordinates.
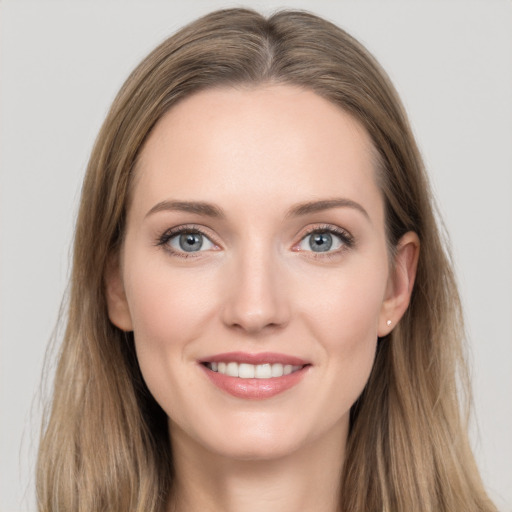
(61, 65)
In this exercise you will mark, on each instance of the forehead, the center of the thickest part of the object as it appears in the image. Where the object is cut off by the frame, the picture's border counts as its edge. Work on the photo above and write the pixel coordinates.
(278, 141)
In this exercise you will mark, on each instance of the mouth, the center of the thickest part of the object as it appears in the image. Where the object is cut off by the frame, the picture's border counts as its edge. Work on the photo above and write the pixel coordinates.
(254, 376)
(253, 371)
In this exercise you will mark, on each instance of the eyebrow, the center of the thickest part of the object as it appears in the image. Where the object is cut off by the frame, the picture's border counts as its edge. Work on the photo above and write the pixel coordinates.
(210, 210)
(325, 204)
(197, 207)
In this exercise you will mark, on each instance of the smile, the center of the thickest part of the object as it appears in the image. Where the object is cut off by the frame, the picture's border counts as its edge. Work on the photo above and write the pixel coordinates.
(254, 376)
(253, 371)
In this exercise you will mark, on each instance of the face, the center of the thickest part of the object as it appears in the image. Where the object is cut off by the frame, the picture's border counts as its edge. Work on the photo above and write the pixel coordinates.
(254, 271)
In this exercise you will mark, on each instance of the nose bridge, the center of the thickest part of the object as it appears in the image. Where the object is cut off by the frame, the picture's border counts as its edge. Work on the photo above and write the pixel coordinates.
(257, 299)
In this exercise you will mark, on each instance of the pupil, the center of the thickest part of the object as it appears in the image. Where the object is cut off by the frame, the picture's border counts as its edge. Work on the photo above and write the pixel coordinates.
(191, 242)
(320, 242)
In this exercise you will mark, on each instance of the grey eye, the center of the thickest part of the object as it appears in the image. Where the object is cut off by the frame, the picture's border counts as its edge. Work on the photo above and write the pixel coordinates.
(190, 242)
(321, 241)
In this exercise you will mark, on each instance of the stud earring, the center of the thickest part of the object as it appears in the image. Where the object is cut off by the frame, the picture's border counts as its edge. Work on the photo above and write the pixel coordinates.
(388, 323)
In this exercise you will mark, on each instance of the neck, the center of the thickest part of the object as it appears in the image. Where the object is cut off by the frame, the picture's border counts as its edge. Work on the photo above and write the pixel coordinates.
(306, 480)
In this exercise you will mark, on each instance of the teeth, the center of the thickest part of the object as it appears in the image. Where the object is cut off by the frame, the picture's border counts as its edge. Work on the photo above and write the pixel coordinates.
(251, 371)
(277, 370)
(245, 371)
(232, 369)
(263, 371)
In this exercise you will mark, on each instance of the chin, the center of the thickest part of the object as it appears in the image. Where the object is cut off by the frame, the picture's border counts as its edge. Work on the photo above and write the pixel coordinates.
(246, 437)
(258, 448)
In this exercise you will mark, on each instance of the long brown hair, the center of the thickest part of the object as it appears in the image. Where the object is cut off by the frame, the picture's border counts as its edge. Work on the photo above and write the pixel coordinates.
(105, 444)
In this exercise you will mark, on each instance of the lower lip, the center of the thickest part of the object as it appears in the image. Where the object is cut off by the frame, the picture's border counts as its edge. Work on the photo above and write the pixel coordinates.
(255, 389)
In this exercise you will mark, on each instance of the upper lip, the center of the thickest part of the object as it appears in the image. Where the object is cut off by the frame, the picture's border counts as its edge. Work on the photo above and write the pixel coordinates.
(260, 358)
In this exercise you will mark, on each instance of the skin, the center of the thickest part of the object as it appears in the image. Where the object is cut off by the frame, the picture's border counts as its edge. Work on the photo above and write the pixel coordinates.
(255, 154)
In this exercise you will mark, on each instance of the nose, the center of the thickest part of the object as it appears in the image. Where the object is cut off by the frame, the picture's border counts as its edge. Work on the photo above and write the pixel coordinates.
(256, 300)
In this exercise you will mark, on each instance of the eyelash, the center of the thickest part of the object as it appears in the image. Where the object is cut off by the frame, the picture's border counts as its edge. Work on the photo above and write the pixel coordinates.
(346, 238)
(164, 239)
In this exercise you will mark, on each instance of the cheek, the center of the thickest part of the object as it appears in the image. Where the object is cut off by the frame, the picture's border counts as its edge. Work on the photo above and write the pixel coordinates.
(346, 323)
(168, 315)
(346, 308)
(166, 306)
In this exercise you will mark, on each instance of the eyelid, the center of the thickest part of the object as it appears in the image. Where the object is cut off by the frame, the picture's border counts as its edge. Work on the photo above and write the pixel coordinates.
(164, 238)
(345, 236)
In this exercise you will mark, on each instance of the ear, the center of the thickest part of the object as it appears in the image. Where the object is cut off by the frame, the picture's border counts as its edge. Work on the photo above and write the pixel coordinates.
(117, 305)
(400, 283)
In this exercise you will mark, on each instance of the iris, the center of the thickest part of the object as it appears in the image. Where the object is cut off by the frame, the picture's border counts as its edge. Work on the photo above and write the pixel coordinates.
(191, 242)
(320, 242)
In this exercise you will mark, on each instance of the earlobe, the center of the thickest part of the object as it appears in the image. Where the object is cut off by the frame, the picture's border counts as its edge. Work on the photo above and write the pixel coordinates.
(117, 304)
(400, 283)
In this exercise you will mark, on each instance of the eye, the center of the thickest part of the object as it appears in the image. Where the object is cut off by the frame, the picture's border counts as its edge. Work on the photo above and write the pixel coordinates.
(190, 242)
(185, 241)
(325, 240)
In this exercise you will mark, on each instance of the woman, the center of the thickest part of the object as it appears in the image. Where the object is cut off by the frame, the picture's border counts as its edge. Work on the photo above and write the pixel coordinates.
(262, 314)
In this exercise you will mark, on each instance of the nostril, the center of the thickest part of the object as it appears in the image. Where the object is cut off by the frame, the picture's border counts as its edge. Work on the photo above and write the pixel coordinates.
(254, 327)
